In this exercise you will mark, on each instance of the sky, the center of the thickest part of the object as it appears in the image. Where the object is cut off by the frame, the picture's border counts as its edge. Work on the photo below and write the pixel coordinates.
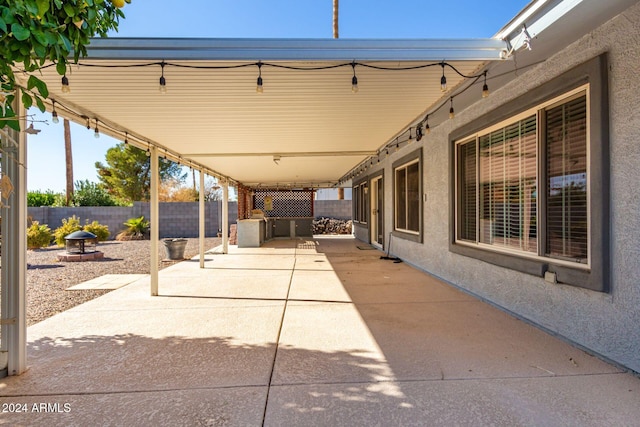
(397, 19)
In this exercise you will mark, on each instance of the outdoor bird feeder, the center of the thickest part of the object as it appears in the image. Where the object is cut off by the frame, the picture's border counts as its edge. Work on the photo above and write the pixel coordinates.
(81, 242)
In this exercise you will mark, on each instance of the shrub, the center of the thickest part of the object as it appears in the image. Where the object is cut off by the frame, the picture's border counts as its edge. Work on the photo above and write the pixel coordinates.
(89, 193)
(39, 198)
(137, 229)
(69, 225)
(101, 231)
(38, 236)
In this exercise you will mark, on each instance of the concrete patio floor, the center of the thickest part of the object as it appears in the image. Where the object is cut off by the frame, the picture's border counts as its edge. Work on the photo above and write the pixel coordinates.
(314, 332)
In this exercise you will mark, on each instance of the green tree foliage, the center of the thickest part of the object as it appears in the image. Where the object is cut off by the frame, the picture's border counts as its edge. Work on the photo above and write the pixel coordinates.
(35, 32)
(89, 193)
(39, 198)
(127, 174)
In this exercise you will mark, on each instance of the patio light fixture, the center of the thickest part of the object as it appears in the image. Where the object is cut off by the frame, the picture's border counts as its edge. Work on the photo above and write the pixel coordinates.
(452, 113)
(259, 88)
(54, 113)
(485, 88)
(65, 84)
(163, 81)
(354, 79)
(443, 79)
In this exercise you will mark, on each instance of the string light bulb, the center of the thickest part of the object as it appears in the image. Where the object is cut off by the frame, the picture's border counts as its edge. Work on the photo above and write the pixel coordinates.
(259, 88)
(126, 138)
(485, 88)
(96, 132)
(163, 81)
(148, 152)
(54, 113)
(452, 113)
(443, 80)
(354, 79)
(410, 140)
(427, 129)
(65, 84)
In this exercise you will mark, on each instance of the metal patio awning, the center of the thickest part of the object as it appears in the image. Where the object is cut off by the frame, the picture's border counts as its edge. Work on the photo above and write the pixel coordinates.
(307, 117)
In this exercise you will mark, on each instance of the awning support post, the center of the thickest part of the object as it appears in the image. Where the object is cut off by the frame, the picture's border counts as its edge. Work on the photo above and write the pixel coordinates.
(155, 219)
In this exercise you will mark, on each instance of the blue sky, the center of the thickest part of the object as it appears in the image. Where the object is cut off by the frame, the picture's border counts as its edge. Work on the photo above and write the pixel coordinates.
(261, 19)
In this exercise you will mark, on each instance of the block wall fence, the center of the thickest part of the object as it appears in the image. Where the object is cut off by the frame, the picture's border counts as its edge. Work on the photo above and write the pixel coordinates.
(179, 219)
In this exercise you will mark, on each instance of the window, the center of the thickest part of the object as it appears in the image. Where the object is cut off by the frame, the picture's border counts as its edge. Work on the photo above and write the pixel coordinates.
(407, 195)
(360, 202)
(498, 178)
(531, 181)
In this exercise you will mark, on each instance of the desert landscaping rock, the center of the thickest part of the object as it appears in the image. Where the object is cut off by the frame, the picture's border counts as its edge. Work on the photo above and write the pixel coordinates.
(48, 278)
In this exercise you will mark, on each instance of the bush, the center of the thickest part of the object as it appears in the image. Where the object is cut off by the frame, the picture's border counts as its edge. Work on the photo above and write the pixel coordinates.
(137, 229)
(89, 193)
(101, 231)
(38, 236)
(39, 198)
(69, 225)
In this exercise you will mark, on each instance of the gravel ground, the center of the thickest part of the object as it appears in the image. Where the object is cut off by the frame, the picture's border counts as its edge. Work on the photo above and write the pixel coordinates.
(48, 278)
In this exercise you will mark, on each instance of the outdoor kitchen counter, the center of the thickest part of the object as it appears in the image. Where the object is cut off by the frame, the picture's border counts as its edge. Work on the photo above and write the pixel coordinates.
(251, 233)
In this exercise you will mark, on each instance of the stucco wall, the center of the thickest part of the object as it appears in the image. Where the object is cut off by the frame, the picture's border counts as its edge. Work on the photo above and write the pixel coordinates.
(607, 324)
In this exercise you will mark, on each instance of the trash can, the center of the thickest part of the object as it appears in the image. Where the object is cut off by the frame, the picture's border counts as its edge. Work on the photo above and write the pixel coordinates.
(174, 248)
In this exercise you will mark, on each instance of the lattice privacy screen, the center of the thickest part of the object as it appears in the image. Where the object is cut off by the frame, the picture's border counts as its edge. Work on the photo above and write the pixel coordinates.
(285, 203)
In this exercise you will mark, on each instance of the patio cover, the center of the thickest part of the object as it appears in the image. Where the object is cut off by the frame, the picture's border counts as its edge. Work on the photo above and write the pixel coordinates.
(311, 120)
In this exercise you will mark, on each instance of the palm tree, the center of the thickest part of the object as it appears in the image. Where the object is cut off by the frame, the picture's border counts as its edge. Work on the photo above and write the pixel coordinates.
(69, 161)
(335, 19)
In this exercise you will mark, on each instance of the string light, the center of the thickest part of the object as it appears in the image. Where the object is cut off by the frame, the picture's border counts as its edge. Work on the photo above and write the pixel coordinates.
(443, 79)
(65, 84)
(485, 88)
(163, 81)
(126, 138)
(259, 88)
(427, 129)
(452, 113)
(354, 79)
(410, 140)
(54, 113)
(96, 133)
(88, 123)
(148, 152)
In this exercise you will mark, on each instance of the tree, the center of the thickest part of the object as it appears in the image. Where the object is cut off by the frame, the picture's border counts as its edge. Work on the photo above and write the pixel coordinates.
(91, 194)
(127, 174)
(34, 32)
(69, 162)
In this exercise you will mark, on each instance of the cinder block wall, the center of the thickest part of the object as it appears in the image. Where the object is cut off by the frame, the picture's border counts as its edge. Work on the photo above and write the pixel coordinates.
(339, 209)
(178, 219)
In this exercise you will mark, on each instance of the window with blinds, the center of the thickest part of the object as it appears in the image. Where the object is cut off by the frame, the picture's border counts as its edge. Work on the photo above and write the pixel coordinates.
(567, 231)
(499, 173)
(407, 197)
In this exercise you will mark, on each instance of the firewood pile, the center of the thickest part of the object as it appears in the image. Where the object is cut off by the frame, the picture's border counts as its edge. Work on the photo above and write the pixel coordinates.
(324, 225)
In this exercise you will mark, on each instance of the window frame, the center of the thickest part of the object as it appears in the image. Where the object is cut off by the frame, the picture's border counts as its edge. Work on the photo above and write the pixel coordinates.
(402, 163)
(360, 195)
(595, 275)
